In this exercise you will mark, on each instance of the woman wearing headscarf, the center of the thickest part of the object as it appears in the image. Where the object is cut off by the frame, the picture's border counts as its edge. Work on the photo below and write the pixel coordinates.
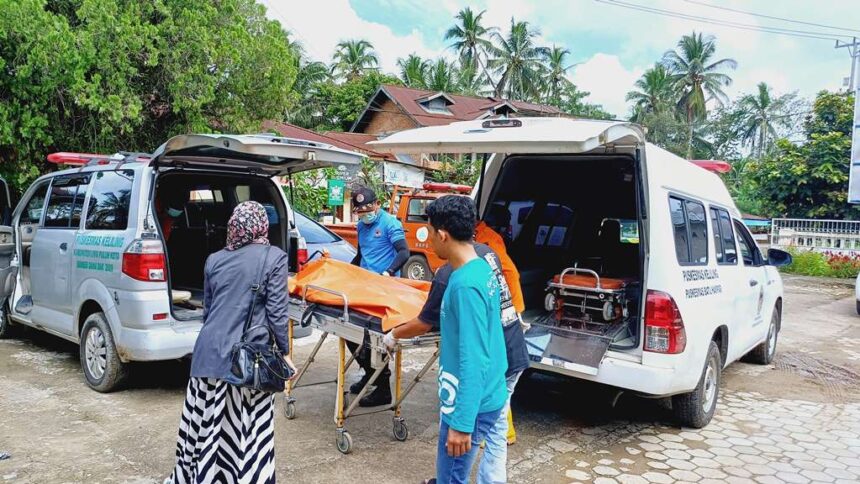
(227, 433)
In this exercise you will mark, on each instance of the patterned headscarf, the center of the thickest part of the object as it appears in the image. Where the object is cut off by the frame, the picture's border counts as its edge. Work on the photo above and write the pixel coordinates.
(249, 224)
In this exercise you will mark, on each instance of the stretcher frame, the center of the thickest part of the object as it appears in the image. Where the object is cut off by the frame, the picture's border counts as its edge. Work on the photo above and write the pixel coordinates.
(345, 330)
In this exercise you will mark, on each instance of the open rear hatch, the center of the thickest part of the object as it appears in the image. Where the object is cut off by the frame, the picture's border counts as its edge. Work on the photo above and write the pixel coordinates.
(555, 339)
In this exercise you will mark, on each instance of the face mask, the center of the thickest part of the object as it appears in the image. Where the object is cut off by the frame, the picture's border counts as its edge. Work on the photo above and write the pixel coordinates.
(369, 218)
(174, 212)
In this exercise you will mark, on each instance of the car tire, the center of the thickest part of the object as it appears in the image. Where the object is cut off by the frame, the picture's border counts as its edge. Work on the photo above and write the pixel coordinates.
(763, 354)
(695, 409)
(417, 268)
(857, 306)
(103, 369)
(6, 328)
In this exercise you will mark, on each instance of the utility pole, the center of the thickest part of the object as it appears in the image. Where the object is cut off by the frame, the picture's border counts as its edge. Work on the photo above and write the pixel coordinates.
(854, 84)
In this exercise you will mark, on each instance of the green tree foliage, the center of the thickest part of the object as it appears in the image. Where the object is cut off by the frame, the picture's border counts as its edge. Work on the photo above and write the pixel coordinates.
(810, 179)
(352, 58)
(471, 42)
(518, 60)
(343, 103)
(109, 75)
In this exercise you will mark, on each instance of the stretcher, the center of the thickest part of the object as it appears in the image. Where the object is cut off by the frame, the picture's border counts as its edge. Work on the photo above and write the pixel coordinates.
(347, 324)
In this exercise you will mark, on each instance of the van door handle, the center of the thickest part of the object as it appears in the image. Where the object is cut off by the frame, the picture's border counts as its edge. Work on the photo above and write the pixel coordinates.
(753, 283)
(64, 246)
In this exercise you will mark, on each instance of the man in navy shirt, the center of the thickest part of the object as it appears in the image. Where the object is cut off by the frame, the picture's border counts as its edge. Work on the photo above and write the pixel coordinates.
(381, 249)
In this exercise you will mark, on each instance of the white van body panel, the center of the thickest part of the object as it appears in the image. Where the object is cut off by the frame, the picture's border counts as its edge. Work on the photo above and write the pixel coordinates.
(710, 297)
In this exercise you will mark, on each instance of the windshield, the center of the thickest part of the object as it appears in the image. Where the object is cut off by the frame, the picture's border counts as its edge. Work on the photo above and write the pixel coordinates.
(313, 232)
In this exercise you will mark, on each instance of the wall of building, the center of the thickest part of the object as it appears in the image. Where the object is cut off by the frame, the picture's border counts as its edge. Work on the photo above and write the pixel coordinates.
(388, 118)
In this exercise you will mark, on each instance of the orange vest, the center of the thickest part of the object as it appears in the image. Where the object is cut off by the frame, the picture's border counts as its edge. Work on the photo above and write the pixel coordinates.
(487, 236)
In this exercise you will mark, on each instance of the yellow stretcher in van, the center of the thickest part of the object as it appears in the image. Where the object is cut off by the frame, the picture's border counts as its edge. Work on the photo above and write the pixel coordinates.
(357, 306)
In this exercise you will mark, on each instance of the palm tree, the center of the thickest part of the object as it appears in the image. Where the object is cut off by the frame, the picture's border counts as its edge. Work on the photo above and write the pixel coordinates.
(655, 92)
(442, 76)
(761, 115)
(470, 39)
(352, 58)
(555, 79)
(469, 82)
(696, 75)
(518, 60)
(413, 71)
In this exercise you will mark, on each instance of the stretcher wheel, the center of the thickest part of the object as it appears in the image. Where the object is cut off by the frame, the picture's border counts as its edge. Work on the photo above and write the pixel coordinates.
(400, 430)
(290, 409)
(344, 442)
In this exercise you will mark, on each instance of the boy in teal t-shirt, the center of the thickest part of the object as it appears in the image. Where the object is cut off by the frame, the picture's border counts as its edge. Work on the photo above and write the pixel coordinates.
(473, 360)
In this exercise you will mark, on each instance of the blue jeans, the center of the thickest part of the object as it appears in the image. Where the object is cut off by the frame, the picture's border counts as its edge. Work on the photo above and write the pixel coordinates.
(456, 470)
(493, 467)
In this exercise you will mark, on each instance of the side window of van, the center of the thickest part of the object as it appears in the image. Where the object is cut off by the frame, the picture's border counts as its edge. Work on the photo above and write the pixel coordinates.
(32, 213)
(109, 201)
(690, 229)
(66, 201)
(724, 239)
(748, 247)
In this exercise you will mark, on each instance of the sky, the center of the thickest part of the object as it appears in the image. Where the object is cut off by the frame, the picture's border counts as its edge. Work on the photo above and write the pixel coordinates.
(611, 46)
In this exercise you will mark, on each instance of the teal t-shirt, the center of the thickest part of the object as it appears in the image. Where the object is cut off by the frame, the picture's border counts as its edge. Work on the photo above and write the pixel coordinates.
(473, 361)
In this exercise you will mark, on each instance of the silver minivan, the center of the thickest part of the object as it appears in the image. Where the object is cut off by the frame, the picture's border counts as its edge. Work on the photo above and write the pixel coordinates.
(110, 254)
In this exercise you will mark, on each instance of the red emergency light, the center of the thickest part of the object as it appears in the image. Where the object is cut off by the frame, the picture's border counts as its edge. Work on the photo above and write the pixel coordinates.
(447, 187)
(84, 159)
(715, 166)
(78, 159)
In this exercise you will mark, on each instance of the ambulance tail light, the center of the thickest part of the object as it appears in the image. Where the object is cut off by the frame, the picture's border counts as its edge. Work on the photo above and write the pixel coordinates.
(144, 261)
(664, 327)
(301, 253)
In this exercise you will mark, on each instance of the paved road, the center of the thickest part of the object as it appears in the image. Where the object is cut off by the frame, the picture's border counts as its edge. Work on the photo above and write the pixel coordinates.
(797, 420)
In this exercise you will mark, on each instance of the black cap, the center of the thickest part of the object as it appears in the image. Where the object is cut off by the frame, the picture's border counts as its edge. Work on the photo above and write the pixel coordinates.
(362, 199)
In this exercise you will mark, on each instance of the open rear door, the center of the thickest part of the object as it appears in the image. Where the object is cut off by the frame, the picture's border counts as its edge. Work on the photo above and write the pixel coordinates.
(262, 154)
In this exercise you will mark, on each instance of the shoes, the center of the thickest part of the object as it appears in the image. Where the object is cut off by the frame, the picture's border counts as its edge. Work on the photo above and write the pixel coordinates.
(356, 387)
(381, 395)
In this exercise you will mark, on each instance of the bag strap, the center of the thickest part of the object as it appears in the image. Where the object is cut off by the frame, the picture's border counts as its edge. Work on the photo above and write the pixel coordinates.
(255, 290)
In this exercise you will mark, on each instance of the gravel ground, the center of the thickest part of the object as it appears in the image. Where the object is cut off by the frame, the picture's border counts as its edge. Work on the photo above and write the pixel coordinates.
(797, 420)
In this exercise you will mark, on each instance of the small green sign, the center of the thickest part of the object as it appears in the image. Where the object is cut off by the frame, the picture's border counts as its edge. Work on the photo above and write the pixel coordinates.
(335, 192)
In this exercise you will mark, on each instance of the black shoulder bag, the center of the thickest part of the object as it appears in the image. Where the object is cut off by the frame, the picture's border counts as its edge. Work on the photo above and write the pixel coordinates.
(259, 366)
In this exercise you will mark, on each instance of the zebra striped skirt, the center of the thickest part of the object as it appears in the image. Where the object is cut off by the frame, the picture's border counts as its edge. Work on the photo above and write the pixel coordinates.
(226, 435)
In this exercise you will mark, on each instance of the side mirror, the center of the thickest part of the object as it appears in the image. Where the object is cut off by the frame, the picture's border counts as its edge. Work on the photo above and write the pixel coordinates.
(776, 257)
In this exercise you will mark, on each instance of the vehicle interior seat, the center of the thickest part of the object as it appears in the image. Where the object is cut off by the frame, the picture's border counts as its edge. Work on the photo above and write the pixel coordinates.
(179, 297)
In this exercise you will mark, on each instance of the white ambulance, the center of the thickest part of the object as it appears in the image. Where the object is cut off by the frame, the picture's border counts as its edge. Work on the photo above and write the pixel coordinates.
(636, 269)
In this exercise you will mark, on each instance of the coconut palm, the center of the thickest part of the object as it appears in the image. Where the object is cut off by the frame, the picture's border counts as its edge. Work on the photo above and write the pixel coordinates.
(761, 115)
(442, 76)
(555, 77)
(518, 60)
(697, 77)
(654, 92)
(352, 58)
(413, 71)
(469, 82)
(470, 39)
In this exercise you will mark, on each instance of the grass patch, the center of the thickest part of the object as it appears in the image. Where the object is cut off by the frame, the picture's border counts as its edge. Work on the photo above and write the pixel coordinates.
(823, 264)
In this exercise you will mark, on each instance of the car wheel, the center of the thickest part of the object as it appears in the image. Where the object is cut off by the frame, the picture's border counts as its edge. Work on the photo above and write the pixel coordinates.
(416, 268)
(102, 367)
(6, 329)
(763, 354)
(857, 306)
(695, 409)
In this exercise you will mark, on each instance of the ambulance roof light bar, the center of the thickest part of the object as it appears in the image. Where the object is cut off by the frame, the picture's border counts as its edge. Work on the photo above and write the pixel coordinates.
(90, 159)
(715, 166)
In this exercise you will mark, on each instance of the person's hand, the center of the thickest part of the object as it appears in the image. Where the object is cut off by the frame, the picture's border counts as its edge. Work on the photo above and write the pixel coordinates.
(389, 340)
(458, 443)
(289, 363)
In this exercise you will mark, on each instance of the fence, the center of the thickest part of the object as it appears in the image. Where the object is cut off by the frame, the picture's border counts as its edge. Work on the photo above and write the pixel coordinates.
(841, 236)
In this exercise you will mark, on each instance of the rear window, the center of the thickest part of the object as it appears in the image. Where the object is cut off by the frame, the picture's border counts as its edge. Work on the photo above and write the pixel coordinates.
(416, 212)
(690, 230)
(110, 200)
(313, 232)
(32, 213)
(66, 201)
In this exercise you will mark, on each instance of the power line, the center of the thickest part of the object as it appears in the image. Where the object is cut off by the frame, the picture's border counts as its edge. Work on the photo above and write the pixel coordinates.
(771, 17)
(726, 23)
